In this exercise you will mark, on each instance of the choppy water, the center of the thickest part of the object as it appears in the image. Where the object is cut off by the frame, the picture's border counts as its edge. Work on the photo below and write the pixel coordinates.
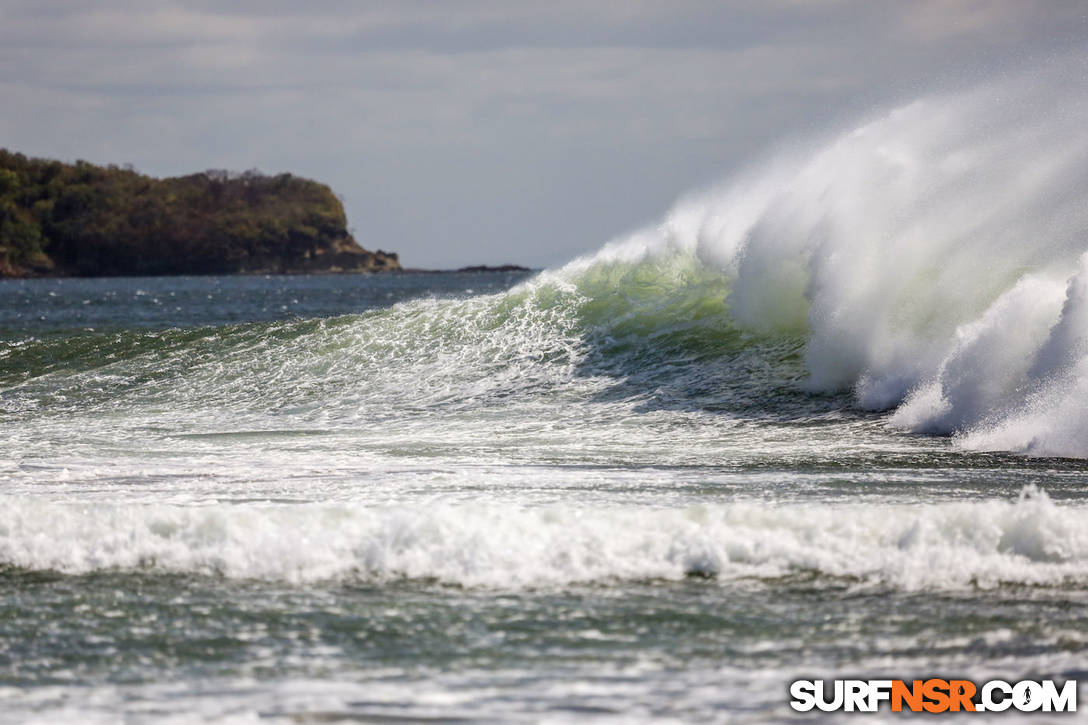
(657, 483)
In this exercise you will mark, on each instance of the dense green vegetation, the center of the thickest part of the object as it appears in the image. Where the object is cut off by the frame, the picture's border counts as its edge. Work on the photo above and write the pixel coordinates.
(82, 219)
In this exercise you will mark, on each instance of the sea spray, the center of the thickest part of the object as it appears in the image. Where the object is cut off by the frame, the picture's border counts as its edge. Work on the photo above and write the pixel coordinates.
(660, 482)
(923, 256)
(924, 262)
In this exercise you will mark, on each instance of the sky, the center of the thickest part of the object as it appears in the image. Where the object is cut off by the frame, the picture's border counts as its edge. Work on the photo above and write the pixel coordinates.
(482, 132)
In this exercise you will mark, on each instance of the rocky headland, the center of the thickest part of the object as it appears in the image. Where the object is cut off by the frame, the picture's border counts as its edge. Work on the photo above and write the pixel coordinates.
(80, 219)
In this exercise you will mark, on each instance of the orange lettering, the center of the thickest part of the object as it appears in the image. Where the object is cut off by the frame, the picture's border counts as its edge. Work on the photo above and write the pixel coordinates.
(936, 691)
(961, 692)
(912, 695)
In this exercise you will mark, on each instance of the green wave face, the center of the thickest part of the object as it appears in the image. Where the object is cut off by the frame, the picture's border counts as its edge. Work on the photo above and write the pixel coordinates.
(911, 266)
(645, 320)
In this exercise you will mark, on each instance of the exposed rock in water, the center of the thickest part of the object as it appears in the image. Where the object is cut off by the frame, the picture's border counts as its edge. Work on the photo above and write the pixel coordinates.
(496, 268)
(79, 219)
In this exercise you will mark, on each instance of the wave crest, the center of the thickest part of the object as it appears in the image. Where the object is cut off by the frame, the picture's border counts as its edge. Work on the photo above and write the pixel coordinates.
(931, 259)
(936, 546)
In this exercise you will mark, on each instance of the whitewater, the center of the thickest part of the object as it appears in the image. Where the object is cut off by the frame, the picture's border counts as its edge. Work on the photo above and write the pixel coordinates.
(827, 418)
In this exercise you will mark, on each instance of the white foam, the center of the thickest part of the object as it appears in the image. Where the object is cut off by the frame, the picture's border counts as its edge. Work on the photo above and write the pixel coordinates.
(928, 258)
(932, 546)
(925, 255)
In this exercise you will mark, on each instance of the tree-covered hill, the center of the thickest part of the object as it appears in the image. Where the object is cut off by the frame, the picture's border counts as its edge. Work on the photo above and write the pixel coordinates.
(86, 220)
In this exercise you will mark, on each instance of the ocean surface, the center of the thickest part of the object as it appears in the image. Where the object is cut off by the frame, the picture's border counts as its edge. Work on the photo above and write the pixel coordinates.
(829, 419)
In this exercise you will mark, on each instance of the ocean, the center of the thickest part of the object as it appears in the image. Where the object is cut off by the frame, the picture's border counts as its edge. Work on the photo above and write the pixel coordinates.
(827, 420)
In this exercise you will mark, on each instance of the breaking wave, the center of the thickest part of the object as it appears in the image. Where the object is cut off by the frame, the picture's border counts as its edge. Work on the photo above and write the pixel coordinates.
(934, 260)
(930, 262)
(934, 546)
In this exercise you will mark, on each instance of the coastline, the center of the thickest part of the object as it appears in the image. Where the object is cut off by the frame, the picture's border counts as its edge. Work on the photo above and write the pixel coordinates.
(317, 272)
(85, 220)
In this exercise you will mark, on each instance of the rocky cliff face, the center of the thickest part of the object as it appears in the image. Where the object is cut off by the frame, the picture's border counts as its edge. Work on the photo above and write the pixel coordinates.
(85, 220)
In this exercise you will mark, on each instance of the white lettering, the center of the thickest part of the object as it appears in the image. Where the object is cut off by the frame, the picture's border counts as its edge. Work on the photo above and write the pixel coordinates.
(1064, 701)
(988, 701)
(1027, 696)
(879, 691)
(821, 696)
(804, 695)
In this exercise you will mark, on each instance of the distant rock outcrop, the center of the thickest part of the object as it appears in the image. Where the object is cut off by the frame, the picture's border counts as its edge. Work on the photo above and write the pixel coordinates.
(79, 219)
(494, 268)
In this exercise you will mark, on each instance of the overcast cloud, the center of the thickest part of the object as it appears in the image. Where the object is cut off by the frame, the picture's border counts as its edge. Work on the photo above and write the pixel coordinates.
(487, 132)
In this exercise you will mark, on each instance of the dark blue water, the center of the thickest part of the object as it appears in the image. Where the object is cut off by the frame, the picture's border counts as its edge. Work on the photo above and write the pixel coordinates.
(100, 304)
